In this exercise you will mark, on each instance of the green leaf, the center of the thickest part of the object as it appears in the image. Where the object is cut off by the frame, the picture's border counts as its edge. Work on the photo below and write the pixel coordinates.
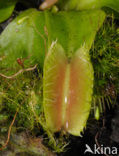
(88, 4)
(74, 28)
(24, 38)
(6, 9)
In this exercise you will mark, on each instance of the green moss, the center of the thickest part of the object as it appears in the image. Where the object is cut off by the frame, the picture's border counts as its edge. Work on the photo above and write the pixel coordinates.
(105, 59)
(16, 93)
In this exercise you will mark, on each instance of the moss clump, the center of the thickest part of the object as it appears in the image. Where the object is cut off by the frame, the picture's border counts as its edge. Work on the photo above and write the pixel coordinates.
(16, 93)
(105, 59)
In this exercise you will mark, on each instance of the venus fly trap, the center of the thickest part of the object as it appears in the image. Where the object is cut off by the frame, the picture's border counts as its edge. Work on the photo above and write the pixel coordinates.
(58, 45)
(68, 73)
